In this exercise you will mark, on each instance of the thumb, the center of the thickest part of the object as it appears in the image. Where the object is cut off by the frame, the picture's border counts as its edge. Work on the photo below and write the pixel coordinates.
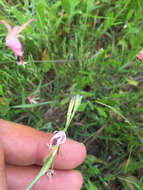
(2, 169)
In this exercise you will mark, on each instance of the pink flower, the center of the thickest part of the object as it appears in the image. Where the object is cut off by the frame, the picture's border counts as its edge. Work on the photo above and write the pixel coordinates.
(33, 99)
(50, 173)
(12, 40)
(58, 139)
(140, 55)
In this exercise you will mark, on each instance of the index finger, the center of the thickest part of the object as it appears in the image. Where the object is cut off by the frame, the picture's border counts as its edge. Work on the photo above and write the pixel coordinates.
(24, 145)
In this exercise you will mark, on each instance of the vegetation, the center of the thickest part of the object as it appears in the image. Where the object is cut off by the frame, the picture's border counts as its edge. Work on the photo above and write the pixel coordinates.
(85, 47)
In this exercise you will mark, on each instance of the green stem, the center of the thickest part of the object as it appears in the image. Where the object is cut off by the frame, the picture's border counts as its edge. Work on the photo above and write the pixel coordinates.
(44, 168)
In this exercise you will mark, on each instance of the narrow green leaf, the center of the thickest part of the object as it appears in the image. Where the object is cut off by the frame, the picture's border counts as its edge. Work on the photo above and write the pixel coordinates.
(31, 105)
(91, 186)
(66, 5)
(1, 91)
(101, 112)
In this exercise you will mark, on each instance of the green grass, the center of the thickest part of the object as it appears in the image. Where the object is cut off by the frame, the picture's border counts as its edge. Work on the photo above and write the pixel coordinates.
(85, 47)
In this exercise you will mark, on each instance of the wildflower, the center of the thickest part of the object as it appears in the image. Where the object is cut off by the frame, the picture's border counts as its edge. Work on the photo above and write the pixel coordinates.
(33, 99)
(50, 173)
(12, 40)
(58, 139)
(140, 55)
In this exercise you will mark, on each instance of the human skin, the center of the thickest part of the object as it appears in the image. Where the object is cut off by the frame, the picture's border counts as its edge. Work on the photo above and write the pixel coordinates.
(24, 150)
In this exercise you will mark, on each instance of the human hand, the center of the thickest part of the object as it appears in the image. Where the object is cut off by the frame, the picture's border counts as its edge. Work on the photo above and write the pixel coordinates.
(25, 148)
